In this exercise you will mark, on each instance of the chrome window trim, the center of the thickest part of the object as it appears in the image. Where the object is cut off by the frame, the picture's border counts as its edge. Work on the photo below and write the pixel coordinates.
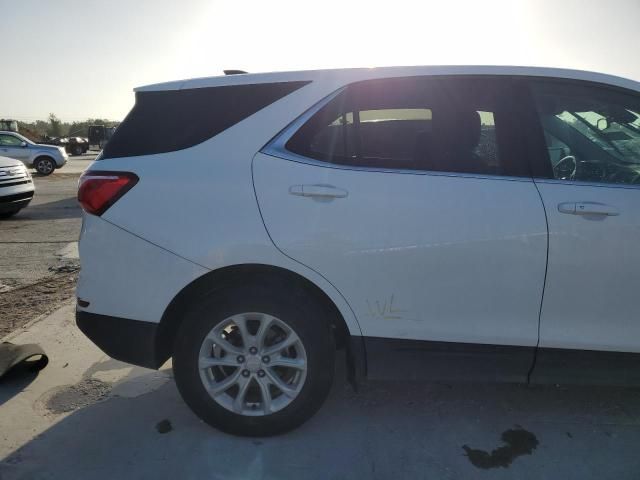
(580, 183)
(276, 148)
(292, 157)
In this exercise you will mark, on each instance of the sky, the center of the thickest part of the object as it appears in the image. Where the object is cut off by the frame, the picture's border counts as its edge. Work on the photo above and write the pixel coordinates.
(82, 58)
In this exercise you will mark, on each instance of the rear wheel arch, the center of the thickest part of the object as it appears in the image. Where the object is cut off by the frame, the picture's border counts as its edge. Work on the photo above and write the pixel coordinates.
(238, 275)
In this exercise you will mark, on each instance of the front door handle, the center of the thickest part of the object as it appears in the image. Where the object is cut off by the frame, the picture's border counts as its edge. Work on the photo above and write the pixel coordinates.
(588, 208)
(318, 191)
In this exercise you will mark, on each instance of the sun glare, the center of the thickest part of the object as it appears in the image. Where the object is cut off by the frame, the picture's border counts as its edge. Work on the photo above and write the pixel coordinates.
(347, 34)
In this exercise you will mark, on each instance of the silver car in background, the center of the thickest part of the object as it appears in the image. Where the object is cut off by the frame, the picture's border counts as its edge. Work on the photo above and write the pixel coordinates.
(44, 158)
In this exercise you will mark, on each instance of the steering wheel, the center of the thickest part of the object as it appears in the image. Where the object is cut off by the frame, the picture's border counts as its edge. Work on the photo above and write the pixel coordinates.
(565, 169)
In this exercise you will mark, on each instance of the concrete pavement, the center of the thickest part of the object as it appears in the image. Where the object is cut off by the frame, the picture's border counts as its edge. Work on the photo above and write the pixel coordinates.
(87, 416)
(37, 245)
(31, 239)
(77, 164)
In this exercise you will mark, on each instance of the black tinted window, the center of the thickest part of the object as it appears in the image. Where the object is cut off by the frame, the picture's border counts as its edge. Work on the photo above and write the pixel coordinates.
(435, 124)
(171, 120)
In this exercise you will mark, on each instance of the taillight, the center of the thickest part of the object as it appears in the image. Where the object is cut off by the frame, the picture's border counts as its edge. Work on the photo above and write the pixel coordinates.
(97, 191)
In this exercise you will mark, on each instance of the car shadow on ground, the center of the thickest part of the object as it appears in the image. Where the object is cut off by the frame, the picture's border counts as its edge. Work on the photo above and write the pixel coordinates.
(388, 430)
(66, 208)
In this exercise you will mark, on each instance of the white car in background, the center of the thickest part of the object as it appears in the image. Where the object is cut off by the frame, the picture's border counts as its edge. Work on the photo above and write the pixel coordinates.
(466, 223)
(43, 158)
(16, 187)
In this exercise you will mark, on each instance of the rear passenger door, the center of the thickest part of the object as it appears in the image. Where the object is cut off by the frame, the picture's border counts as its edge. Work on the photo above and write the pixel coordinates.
(412, 197)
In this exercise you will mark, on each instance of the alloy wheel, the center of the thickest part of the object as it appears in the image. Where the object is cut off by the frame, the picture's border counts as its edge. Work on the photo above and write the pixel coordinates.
(252, 364)
(45, 166)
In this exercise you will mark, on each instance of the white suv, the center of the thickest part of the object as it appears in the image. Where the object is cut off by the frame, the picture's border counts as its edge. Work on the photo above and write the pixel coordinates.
(470, 223)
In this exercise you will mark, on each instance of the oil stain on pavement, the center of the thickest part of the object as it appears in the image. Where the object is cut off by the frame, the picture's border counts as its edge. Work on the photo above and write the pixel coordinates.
(518, 441)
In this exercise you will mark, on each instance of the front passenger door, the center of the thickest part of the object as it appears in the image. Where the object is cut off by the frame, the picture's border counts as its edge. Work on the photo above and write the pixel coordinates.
(592, 200)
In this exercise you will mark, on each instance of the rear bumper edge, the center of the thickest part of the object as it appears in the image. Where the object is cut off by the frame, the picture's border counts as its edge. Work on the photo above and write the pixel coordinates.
(130, 341)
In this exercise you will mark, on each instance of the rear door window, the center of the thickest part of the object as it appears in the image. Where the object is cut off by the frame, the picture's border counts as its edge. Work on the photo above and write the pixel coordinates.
(459, 125)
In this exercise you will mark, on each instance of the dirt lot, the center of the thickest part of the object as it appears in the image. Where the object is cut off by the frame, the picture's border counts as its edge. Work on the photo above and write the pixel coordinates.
(20, 305)
(38, 249)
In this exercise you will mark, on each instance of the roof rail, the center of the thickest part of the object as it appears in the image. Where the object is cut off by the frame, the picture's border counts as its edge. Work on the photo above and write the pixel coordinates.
(234, 72)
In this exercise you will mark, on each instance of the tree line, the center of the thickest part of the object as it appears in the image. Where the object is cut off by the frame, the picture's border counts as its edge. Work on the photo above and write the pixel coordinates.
(54, 127)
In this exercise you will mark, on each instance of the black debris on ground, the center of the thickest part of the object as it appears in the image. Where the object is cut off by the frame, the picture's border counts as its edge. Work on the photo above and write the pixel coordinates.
(164, 426)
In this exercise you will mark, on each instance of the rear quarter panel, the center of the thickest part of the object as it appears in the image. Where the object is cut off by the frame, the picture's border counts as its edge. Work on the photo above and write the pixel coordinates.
(199, 203)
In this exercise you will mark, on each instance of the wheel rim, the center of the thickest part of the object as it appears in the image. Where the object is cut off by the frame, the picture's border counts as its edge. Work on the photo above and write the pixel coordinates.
(252, 364)
(45, 166)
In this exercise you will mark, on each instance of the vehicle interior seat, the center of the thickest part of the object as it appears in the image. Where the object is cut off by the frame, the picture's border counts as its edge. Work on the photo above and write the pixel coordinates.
(451, 144)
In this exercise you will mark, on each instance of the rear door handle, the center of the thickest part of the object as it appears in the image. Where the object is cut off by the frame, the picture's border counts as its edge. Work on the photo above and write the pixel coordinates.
(318, 191)
(588, 208)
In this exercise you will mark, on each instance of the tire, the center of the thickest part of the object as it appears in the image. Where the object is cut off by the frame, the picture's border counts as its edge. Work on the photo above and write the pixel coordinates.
(76, 150)
(44, 165)
(10, 214)
(298, 311)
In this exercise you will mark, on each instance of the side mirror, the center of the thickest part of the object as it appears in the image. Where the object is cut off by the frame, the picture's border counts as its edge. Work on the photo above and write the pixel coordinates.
(603, 124)
(23, 144)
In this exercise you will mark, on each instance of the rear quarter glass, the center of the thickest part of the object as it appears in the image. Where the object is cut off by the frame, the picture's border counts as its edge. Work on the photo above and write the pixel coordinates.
(172, 120)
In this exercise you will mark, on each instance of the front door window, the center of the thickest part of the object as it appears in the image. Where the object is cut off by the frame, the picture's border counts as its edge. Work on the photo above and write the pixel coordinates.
(10, 141)
(592, 134)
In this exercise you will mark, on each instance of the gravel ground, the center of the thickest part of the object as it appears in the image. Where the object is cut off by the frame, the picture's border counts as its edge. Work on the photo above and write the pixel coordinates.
(38, 250)
(72, 397)
(21, 305)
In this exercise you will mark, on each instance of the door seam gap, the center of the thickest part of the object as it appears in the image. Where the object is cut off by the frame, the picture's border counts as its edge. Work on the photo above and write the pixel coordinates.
(544, 285)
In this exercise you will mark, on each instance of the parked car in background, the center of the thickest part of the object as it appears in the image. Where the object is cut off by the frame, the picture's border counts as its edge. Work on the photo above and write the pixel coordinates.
(44, 158)
(16, 187)
(466, 223)
(99, 135)
(72, 145)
